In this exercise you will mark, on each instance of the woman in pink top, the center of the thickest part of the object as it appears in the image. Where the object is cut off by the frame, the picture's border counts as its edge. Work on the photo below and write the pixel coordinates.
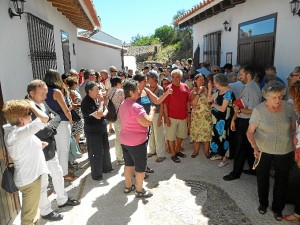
(133, 138)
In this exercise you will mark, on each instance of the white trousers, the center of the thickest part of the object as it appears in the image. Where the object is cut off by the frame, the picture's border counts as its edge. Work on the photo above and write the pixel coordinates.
(157, 139)
(59, 186)
(62, 139)
(118, 148)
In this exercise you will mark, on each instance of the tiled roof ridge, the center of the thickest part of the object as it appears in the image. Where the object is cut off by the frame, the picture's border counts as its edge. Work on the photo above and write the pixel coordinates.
(192, 10)
(92, 10)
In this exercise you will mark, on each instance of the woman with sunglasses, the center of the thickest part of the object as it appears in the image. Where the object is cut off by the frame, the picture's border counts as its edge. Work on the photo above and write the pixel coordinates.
(25, 150)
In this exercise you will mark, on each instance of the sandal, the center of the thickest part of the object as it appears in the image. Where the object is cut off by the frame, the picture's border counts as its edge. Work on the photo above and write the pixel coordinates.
(127, 190)
(148, 170)
(143, 194)
(160, 159)
(175, 159)
(262, 210)
(291, 218)
(180, 154)
(194, 155)
(278, 216)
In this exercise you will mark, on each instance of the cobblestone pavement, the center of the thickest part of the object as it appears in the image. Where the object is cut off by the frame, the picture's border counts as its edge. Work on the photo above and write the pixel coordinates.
(191, 192)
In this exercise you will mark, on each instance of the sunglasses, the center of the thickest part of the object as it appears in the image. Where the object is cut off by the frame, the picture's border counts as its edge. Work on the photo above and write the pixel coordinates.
(29, 113)
(294, 75)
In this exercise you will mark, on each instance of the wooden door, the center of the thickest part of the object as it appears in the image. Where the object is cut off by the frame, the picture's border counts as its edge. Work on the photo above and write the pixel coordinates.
(257, 52)
(9, 204)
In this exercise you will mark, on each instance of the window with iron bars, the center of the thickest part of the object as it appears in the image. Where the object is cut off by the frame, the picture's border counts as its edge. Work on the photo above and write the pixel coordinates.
(212, 48)
(41, 45)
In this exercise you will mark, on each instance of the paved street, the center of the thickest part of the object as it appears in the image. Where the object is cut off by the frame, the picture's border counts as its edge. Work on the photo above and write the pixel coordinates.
(191, 192)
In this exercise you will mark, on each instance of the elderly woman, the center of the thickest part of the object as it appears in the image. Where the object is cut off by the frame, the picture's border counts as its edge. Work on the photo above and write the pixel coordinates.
(270, 134)
(294, 91)
(25, 150)
(201, 118)
(57, 101)
(222, 112)
(95, 129)
(77, 128)
(133, 137)
(116, 94)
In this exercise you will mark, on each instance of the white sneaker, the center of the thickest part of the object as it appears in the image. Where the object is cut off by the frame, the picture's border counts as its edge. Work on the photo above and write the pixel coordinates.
(222, 164)
(215, 157)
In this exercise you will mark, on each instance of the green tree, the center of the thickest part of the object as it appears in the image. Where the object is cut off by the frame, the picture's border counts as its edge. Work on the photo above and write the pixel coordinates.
(166, 35)
(140, 40)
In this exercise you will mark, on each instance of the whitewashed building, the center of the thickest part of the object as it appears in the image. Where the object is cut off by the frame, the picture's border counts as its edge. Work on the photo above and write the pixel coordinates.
(43, 37)
(258, 33)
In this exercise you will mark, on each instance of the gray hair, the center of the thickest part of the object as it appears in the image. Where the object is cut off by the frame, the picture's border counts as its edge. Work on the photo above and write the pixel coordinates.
(232, 77)
(129, 85)
(221, 79)
(296, 70)
(177, 71)
(73, 72)
(273, 87)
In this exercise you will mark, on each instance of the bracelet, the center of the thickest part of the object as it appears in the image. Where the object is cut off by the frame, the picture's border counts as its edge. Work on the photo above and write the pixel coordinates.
(189, 112)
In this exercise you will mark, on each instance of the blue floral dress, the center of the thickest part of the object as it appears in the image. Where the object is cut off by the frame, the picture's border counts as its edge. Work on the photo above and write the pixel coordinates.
(221, 122)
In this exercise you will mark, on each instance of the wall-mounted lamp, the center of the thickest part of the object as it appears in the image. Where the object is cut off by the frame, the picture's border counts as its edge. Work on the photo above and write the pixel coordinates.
(19, 8)
(295, 7)
(226, 26)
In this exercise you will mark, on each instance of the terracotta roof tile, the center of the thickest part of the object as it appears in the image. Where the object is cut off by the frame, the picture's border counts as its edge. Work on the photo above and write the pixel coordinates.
(193, 10)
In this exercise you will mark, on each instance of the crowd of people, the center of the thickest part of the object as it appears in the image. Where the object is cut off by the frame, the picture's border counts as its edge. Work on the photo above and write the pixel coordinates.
(234, 112)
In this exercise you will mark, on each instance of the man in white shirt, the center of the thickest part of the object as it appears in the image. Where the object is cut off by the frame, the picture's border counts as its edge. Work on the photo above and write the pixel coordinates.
(37, 92)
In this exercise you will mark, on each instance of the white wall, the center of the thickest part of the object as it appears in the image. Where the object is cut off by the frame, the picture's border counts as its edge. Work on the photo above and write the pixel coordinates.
(99, 57)
(15, 62)
(130, 62)
(287, 42)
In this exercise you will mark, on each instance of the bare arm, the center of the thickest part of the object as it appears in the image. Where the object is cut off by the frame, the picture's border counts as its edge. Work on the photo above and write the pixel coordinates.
(147, 120)
(166, 115)
(100, 113)
(73, 98)
(160, 115)
(39, 113)
(222, 107)
(155, 99)
(58, 96)
(250, 135)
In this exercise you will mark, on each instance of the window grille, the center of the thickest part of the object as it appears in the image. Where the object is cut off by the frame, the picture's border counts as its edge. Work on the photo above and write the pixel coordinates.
(212, 48)
(41, 45)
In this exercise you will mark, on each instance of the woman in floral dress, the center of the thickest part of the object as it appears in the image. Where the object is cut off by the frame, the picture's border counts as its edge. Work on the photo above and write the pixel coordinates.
(201, 118)
(77, 128)
(222, 112)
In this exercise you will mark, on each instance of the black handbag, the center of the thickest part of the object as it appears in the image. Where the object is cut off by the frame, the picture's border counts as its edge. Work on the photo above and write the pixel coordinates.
(8, 183)
(75, 116)
(112, 114)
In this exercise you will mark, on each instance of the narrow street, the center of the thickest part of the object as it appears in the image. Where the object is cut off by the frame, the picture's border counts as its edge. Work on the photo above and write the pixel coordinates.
(191, 192)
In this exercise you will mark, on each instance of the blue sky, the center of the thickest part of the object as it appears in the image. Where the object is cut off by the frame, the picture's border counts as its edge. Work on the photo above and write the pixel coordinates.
(124, 19)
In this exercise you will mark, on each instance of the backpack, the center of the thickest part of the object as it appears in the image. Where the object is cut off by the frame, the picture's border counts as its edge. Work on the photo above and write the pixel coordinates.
(112, 114)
